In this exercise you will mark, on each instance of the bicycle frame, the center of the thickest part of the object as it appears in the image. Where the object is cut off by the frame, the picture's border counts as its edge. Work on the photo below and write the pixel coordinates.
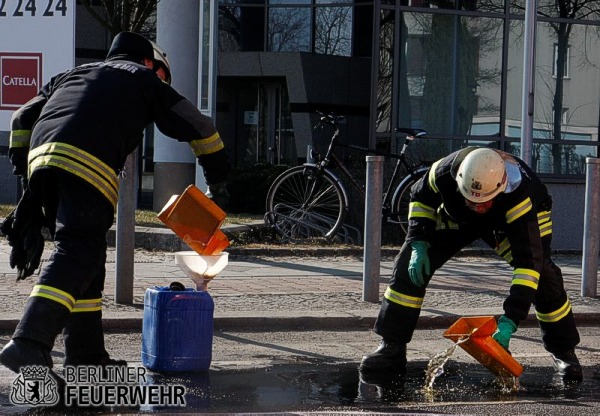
(312, 201)
(329, 156)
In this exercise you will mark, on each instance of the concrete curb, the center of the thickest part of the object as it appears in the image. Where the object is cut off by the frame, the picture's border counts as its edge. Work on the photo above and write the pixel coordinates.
(330, 322)
(163, 239)
(333, 322)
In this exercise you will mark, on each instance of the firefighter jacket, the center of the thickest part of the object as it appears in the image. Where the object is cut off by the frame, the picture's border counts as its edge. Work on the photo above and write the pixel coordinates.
(87, 120)
(519, 218)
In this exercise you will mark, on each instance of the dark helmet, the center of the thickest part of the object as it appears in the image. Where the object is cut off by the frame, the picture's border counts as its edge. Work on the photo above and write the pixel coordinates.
(131, 45)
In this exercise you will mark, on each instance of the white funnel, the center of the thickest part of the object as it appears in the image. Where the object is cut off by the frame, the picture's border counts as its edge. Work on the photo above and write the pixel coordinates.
(200, 268)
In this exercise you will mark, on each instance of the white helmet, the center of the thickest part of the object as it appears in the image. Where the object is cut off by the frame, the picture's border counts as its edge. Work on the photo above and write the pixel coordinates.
(160, 59)
(481, 175)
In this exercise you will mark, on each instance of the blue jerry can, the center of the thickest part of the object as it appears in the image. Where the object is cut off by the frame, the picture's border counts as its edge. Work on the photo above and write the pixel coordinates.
(177, 330)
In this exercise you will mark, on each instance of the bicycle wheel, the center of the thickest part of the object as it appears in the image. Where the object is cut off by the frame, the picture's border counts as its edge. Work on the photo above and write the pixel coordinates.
(401, 199)
(304, 203)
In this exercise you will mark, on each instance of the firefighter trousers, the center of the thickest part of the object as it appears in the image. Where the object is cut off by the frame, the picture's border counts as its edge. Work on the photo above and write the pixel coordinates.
(402, 302)
(68, 294)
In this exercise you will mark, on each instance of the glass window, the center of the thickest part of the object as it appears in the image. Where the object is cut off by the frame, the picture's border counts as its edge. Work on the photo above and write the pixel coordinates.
(569, 9)
(289, 2)
(572, 157)
(479, 102)
(238, 2)
(453, 73)
(560, 55)
(555, 132)
(514, 79)
(241, 28)
(385, 71)
(362, 29)
(574, 93)
(333, 30)
(335, 2)
(517, 7)
(289, 29)
(496, 6)
(471, 5)
(566, 9)
(433, 4)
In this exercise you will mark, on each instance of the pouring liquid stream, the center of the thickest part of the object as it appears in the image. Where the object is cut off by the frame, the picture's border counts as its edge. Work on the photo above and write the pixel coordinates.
(435, 368)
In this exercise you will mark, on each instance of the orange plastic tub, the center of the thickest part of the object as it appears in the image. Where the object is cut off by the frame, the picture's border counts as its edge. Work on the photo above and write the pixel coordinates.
(481, 346)
(196, 220)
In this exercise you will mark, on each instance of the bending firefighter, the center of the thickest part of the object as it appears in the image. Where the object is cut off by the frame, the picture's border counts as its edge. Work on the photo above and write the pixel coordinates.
(479, 193)
(71, 141)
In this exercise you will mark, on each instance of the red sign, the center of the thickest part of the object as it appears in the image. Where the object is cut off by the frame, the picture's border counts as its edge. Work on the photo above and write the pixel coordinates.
(20, 78)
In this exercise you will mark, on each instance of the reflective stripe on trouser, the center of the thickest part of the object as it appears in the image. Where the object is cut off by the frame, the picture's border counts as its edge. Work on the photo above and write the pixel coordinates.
(42, 320)
(552, 306)
(553, 311)
(397, 319)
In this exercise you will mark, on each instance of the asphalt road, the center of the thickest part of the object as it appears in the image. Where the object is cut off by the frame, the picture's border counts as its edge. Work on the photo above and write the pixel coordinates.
(310, 372)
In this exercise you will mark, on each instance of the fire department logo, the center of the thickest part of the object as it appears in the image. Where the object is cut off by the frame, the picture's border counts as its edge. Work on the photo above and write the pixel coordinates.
(20, 78)
(34, 386)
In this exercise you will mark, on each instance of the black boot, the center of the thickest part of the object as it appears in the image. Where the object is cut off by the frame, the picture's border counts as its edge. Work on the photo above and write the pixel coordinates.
(84, 341)
(23, 352)
(567, 365)
(388, 357)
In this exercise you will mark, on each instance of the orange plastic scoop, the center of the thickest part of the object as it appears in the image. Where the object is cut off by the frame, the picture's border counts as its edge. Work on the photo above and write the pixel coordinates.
(196, 220)
(481, 346)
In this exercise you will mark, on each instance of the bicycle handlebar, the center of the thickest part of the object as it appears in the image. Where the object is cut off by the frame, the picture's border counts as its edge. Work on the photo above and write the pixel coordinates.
(333, 120)
(330, 118)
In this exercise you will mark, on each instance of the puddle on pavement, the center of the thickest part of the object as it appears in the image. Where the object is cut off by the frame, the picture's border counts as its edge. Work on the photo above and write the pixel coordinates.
(325, 387)
(342, 386)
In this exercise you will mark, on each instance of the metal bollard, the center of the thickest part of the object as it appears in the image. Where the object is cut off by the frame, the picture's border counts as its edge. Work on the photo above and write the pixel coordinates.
(591, 228)
(125, 233)
(372, 230)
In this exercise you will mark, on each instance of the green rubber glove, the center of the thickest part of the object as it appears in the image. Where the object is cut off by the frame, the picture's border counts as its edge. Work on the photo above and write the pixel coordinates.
(506, 327)
(419, 260)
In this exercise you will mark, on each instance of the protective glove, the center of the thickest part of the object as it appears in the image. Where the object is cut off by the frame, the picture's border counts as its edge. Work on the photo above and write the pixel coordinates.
(18, 158)
(218, 193)
(23, 230)
(419, 260)
(17, 255)
(506, 327)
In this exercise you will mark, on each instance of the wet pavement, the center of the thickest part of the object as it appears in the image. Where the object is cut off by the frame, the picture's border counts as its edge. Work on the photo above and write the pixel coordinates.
(306, 372)
(291, 328)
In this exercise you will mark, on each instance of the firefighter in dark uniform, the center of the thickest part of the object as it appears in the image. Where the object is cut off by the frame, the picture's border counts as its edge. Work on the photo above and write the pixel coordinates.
(71, 141)
(479, 193)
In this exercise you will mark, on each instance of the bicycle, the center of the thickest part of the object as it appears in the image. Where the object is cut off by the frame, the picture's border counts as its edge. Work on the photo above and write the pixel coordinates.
(310, 201)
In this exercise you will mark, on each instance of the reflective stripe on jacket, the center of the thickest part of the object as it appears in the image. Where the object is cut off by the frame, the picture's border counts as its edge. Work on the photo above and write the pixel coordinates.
(89, 119)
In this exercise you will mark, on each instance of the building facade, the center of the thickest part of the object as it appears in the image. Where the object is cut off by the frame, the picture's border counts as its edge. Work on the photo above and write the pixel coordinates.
(451, 67)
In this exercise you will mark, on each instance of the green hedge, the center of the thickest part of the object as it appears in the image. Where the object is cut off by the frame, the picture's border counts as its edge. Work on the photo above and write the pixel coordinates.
(248, 188)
